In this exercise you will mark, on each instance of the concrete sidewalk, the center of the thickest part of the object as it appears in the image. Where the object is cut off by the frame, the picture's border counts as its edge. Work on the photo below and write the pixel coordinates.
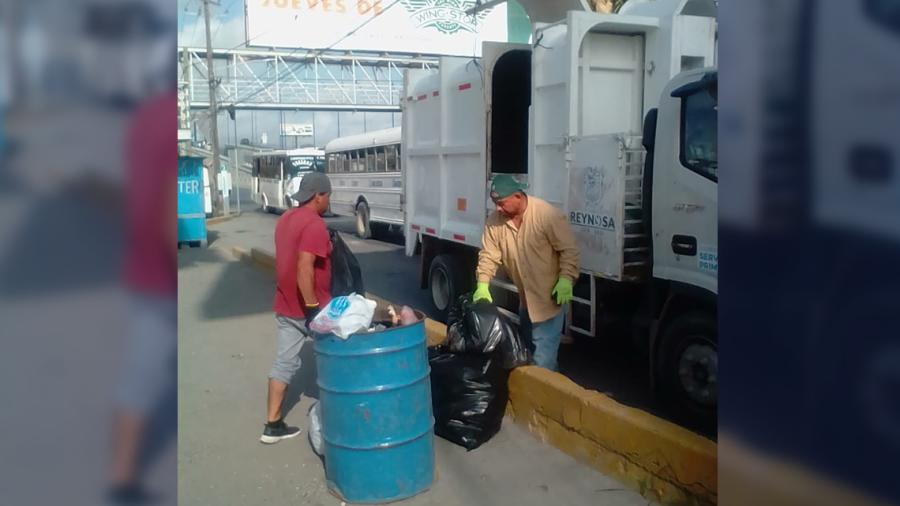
(226, 344)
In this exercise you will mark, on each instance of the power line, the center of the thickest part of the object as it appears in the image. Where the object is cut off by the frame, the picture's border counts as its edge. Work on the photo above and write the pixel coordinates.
(196, 19)
(221, 17)
(316, 54)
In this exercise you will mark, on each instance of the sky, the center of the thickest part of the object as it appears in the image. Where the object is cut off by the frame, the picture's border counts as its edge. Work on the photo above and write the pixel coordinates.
(227, 23)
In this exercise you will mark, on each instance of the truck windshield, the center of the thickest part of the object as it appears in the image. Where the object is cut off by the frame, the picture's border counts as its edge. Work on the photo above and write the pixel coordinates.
(699, 138)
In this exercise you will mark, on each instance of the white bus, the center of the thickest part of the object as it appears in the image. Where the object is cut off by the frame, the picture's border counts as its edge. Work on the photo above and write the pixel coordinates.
(366, 178)
(276, 176)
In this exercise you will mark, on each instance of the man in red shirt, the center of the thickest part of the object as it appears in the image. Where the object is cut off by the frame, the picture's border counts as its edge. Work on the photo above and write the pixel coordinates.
(303, 277)
(148, 375)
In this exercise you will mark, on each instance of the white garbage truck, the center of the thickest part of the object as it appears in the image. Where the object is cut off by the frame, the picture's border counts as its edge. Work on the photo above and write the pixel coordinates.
(612, 118)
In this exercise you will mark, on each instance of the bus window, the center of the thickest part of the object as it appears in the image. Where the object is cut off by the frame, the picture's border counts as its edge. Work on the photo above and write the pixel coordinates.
(360, 156)
(391, 155)
(399, 164)
(346, 162)
(380, 159)
(276, 167)
(331, 163)
(263, 167)
(370, 160)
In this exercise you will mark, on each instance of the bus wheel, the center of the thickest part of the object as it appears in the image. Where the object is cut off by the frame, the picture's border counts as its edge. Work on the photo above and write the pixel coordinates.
(265, 204)
(363, 226)
(689, 367)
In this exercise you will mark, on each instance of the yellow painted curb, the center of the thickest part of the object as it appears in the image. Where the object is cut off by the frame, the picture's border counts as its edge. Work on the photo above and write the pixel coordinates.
(664, 462)
(220, 219)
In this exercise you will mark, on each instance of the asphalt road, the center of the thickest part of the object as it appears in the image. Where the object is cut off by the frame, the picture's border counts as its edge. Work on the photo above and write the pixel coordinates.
(606, 364)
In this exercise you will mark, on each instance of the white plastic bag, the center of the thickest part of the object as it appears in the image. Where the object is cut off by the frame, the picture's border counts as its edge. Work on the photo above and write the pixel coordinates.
(345, 315)
(315, 428)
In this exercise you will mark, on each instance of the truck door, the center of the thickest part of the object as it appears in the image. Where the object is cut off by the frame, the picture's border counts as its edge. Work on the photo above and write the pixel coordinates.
(685, 182)
(588, 79)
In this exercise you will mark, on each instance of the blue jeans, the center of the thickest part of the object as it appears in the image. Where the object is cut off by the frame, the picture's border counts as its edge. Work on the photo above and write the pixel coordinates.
(545, 337)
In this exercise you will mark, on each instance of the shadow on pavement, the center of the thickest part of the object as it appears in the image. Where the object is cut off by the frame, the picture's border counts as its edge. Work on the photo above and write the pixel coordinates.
(391, 276)
(212, 236)
(380, 232)
(162, 429)
(59, 233)
(612, 367)
(237, 290)
(304, 382)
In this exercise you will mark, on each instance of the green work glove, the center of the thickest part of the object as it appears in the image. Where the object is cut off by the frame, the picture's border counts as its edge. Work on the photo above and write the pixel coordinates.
(563, 291)
(482, 292)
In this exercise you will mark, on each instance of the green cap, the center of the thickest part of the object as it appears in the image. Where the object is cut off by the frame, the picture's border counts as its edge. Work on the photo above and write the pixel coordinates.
(504, 185)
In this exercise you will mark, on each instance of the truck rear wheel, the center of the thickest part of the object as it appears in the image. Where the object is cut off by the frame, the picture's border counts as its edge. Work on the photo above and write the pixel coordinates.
(363, 225)
(445, 278)
(689, 367)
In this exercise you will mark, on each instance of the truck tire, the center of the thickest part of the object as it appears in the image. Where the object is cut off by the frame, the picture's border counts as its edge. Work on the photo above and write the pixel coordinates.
(363, 225)
(688, 367)
(445, 279)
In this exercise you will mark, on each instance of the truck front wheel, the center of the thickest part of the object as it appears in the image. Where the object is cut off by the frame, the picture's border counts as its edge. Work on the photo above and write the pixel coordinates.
(689, 367)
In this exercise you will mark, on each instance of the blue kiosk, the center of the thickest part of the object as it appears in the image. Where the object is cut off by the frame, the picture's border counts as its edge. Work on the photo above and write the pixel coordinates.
(191, 215)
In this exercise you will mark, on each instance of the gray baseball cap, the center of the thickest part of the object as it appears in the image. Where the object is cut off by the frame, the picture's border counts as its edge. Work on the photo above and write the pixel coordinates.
(311, 185)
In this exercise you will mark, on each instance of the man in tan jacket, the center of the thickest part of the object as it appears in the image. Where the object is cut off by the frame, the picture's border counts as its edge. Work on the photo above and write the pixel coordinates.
(535, 244)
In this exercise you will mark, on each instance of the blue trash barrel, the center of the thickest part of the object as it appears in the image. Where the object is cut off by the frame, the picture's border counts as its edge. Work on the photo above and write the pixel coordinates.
(191, 208)
(377, 424)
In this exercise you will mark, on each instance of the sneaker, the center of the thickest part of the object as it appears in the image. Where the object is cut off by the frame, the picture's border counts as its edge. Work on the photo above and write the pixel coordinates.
(272, 435)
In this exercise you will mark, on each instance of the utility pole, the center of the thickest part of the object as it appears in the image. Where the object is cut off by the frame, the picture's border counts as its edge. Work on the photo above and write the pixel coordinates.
(213, 118)
(184, 102)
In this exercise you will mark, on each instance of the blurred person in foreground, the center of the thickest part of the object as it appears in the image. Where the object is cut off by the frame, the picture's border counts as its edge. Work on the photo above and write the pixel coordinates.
(149, 373)
(303, 277)
(535, 244)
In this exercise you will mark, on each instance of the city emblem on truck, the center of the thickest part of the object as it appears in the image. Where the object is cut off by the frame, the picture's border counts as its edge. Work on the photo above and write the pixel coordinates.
(596, 188)
(446, 16)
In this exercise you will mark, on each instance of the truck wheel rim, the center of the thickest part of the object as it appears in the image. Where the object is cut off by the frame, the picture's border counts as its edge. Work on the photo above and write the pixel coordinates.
(360, 223)
(440, 289)
(698, 371)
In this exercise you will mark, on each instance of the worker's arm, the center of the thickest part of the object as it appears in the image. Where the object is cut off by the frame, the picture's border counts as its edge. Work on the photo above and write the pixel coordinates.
(489, 257)
(314, 243)
(563, 241)
(306, 278)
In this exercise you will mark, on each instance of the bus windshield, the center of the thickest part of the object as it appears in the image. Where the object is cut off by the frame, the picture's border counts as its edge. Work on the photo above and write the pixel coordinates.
(304, 163)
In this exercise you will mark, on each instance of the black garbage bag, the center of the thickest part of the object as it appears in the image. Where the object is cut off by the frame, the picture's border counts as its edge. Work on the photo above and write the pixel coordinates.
(346, 275)
(481, 328)
(469, 393)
